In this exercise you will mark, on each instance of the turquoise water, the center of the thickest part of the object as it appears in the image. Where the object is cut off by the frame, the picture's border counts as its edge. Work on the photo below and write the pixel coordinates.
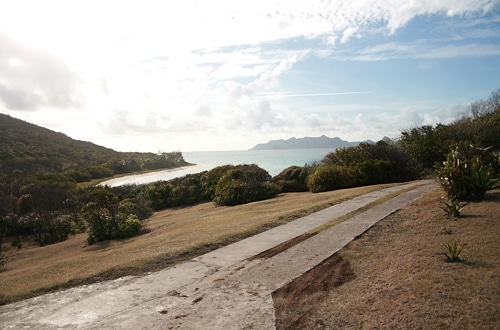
(273, 161)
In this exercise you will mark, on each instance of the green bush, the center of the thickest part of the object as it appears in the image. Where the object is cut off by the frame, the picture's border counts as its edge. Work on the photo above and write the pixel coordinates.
(244, 184)
(159, 194)
(130, 227)
(54, 228)
(373, 172)
(187, 190)
(79, 176)
(469, 172)
(330, 177)
(364, 164)
(99, 172)
(105, 219)
(210, 179)
(292, 179)
(136, 206)
(99, 223)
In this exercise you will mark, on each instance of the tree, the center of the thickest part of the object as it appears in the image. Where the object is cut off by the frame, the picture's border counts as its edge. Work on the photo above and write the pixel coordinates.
(426, 144)
(430, 145)
(159, 194)
(104, 218)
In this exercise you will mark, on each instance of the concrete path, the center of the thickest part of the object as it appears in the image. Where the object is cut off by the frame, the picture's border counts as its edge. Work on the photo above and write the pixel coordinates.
(221, 289)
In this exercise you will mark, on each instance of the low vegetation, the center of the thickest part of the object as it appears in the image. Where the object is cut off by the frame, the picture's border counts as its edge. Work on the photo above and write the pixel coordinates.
(454, 250)
(364, 164)
(397, 276)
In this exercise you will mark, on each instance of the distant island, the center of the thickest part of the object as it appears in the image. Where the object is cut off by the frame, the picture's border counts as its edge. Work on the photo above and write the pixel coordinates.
(322, 142)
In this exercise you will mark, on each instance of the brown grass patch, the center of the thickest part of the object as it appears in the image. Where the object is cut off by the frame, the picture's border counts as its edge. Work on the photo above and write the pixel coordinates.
(402, 278)
(174, 235)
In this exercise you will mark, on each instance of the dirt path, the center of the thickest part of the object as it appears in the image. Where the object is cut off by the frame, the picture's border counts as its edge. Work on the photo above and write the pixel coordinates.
(228, 288)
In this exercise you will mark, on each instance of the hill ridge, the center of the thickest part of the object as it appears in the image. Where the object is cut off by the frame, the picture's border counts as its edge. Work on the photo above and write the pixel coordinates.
(320, 142)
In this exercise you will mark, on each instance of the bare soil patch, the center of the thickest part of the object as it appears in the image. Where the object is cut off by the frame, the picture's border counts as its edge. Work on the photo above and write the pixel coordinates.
(396, 276)
(282, 247)
(308, 289)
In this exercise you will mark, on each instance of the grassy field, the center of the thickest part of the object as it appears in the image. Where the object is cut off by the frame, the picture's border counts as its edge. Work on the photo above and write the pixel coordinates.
(173, 236)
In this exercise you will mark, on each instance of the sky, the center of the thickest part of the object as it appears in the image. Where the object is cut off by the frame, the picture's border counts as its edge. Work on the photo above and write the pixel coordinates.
(197, 75)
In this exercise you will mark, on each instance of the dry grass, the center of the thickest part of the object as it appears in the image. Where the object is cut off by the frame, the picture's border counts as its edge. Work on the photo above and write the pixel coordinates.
(174, 235)
(402, 279)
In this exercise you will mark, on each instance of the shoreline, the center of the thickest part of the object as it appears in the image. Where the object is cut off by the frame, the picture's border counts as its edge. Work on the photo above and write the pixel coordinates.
(151, 176)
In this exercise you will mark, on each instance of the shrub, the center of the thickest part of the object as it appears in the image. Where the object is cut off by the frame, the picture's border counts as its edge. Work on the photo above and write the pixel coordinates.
(481, 179)
(330, 177)
(104, 218)
(54, 228)
(367, 164)
(453, 252)
(187, 190)
(468, 172)
(454, 207)
(292, 179)
(99, 223)
(244, 184)
(79, 176)
(373, 172)
(135, 206)
(426, 144)
(210, 179)
(159, 194)
(130, 227)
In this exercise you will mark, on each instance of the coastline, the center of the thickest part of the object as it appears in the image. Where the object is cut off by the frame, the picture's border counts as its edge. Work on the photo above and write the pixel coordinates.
(273, 161)
(146, 177)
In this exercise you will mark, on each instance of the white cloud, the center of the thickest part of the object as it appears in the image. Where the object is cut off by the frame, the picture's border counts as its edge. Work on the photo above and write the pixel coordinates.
(30, 79)
(206, 70)
(348, 34)
(401, 13)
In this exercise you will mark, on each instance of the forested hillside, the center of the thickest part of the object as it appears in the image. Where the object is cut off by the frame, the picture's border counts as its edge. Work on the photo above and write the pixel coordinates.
(22, 140)
(39, 192)
(34, 150)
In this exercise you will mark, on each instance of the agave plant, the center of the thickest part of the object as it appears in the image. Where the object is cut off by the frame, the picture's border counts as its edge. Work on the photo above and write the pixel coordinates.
(469, 172)
(453, 252)
(481, 179)
(454, 206)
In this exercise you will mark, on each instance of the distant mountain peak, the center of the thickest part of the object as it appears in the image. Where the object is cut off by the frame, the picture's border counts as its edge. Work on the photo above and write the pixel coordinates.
(321, 142)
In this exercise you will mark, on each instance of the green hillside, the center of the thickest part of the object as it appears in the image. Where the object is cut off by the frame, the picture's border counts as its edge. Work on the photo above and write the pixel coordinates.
(35, 150)
(22, 140)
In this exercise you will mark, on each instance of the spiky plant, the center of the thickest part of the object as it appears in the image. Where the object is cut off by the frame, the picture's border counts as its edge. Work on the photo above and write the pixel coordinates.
(453, 252)
(454, 206)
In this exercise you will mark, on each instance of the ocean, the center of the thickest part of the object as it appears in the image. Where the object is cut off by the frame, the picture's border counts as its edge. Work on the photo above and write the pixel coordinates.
(273, 161)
